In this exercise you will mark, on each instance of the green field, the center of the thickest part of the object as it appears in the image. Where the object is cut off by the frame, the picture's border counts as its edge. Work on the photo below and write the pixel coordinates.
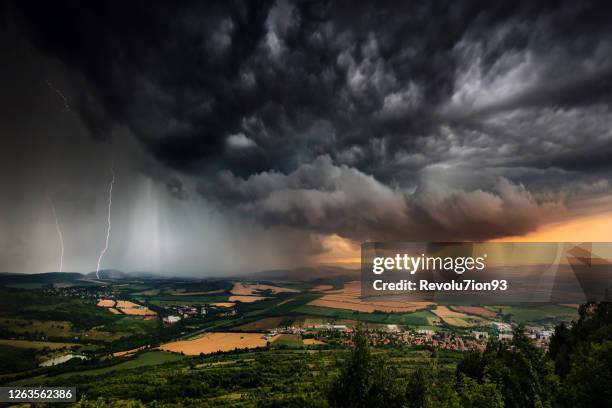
(36, 344)
(289, 340)
(418, 318)
(149, 358)
(168, 300)
(536, 313)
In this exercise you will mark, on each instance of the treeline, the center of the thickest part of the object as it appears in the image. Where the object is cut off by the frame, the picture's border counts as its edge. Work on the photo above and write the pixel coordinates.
(577, 372)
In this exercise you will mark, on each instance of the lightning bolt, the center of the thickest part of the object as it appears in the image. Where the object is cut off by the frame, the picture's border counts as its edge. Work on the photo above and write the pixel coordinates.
(108, 229)
(61, 95)
(59, 233)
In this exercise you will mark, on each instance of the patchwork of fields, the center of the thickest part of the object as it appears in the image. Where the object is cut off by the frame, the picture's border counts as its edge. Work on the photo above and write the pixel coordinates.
(349, 297)
(35, 326)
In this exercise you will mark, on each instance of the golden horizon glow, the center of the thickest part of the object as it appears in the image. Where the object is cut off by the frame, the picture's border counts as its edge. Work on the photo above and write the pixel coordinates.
(589, 228)
(593, 228)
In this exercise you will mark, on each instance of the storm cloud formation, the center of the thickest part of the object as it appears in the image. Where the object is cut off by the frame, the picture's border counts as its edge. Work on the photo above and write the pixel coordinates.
(423, 120)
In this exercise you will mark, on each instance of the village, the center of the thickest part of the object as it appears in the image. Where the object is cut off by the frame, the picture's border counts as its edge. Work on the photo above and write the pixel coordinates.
(393, 335)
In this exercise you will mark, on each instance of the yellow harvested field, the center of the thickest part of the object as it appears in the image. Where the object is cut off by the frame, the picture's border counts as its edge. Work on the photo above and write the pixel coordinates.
(247, 289)
(349, 298)
(443, 311)
(213, 342)
(458, 319)
(139, 312)
(457, 322)
(35, 344)
(368, 306)
(312, 342)
(106, 303)
(126, 307)
(126, 304)
(321, 288)
(224, 304)
(350, 288)
(476, 311)
(127, 352)
(246, 299)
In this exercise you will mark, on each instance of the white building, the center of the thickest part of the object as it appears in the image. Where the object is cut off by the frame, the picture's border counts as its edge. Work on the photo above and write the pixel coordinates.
(502, 327)
(171, 319)
(546, 334)
(480, 335)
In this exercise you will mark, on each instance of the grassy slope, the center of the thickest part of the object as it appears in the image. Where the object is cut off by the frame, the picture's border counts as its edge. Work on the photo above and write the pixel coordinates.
(150, 358)
(536, 313)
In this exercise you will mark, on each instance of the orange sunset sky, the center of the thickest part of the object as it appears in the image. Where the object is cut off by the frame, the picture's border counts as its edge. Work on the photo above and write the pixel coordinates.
(586, 228)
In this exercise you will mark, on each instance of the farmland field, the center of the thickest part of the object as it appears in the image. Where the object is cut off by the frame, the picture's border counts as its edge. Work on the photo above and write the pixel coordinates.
(290, 340)
(476, 311)
(246, 298)
(322, 288)
(312, 342)
(224, 304)
(349, 298)
(536, 313)
(36, 344)
(421, 317)
(213, 342)
(458, 319)
(263, 324)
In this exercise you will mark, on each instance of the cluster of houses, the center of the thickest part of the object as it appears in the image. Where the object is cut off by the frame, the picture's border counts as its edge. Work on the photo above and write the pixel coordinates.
(175, 314)
(393, 334)
(82, 292)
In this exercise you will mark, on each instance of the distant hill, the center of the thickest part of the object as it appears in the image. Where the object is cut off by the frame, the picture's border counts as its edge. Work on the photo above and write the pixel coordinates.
(109, 274)
(308, 274)
(41, 278)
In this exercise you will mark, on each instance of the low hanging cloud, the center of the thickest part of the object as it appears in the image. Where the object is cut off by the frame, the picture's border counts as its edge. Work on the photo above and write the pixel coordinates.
(328, 198)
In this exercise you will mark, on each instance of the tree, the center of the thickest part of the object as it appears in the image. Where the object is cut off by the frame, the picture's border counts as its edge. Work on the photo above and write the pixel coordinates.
(520, 371)
(365, 381)
(593, 326)
(473, 394)
(589, 381)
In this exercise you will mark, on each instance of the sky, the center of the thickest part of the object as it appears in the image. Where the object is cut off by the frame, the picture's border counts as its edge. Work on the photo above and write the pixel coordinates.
(251, 135)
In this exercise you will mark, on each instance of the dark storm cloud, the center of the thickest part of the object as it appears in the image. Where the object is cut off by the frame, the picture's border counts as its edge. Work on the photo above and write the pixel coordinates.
(369, 120)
